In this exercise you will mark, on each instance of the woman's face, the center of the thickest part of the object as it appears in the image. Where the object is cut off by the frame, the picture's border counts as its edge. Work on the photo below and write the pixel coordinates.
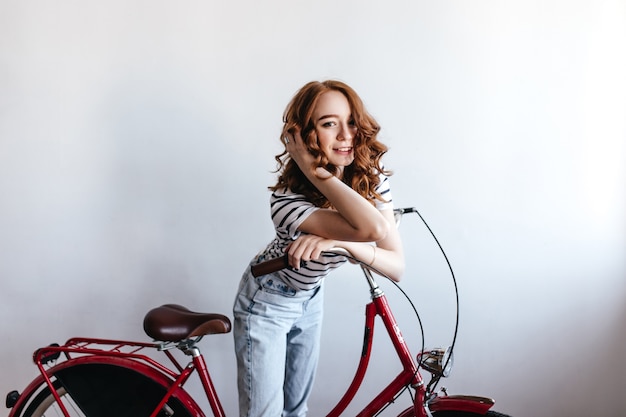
(335, 128)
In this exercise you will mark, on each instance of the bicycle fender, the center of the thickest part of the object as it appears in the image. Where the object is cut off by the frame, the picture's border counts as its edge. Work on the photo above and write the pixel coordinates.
(468, 403)
(77, 366)
(26, 395)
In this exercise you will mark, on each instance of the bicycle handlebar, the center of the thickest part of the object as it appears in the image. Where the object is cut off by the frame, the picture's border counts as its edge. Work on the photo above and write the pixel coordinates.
(267, 267)
(276, 264)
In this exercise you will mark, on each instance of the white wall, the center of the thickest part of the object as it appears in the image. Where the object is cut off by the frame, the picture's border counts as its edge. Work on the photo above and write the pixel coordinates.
(137, 140)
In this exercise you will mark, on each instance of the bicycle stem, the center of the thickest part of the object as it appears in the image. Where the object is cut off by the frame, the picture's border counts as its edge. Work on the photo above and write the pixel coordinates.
(375, 290)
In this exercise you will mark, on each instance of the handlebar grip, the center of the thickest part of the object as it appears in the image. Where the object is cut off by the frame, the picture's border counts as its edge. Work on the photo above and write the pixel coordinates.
(267, 267)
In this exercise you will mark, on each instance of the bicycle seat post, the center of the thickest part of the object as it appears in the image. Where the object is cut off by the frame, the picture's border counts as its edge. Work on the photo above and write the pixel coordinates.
(189, 348)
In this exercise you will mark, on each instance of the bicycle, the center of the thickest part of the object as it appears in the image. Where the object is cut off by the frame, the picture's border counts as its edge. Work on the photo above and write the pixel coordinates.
(104, 378)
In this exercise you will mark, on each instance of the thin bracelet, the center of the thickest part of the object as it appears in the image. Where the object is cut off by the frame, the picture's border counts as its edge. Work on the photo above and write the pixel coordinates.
(374, 258)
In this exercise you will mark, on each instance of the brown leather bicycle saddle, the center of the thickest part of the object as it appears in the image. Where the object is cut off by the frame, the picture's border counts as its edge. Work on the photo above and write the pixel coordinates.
(173, 322)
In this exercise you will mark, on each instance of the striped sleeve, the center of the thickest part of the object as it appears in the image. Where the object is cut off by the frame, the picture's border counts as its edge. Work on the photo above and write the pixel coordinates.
(288, 211)
(384, 189)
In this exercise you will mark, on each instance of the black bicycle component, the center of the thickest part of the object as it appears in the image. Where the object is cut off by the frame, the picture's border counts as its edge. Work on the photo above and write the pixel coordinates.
(49, 357)
(103, 390)
(12, 398)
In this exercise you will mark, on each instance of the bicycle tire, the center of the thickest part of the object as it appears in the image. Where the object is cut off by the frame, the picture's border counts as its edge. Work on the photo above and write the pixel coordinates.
(97, 390)
(454, 413)
(44, 403)
(409, 412)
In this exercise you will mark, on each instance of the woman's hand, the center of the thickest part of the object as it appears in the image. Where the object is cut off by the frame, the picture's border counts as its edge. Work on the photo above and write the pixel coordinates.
(307, 247)
(298, 151)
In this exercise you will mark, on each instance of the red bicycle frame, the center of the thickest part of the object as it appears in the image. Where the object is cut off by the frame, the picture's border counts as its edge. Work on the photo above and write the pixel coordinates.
(129, 357)
(408, 376)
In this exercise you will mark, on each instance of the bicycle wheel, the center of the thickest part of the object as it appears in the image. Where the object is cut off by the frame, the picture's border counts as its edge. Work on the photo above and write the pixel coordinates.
(466, 414)
(44, 404)
(409, 412)
(103, 390)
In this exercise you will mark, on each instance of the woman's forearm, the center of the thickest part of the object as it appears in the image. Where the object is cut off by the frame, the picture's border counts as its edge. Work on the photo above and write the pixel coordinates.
(389, 262)
(356, 210)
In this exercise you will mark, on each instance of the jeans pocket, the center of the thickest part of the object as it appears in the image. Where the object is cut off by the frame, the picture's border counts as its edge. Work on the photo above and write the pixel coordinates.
(274, 285)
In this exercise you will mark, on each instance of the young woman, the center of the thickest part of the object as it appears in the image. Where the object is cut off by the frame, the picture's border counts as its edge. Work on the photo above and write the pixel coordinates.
(332, 191)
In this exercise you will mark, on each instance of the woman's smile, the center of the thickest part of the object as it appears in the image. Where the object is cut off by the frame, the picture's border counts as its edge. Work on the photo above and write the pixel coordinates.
(345, 151)
(335, 128)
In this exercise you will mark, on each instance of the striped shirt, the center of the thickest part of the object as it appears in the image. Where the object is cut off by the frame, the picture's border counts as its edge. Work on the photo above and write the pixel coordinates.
(289, 211)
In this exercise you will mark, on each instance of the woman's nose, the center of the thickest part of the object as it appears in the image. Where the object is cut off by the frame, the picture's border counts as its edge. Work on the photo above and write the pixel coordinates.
(346, 132)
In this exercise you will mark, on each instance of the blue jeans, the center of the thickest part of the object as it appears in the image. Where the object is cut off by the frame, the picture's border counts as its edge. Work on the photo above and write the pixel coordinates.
(277, 333)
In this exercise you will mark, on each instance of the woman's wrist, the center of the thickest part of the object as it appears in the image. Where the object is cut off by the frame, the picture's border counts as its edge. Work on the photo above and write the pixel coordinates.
(322, 173)
(374, 255)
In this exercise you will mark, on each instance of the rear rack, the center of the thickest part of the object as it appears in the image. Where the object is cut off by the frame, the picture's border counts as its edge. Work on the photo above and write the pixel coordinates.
(138, 351)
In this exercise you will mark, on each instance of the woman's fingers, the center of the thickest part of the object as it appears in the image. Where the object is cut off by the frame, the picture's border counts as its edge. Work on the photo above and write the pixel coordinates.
(306, 248)
(297, 149)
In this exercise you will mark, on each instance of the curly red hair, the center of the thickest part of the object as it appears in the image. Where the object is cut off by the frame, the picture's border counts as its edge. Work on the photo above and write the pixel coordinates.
(362, 175)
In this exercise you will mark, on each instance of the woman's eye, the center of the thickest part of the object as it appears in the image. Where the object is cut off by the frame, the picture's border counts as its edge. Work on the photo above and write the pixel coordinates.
(329, 124)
